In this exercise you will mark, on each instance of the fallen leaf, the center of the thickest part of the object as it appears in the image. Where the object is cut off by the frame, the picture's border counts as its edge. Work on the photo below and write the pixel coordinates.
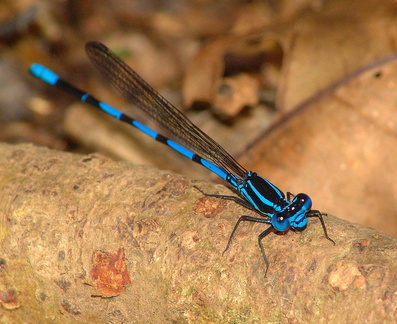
(333, 42)
(340, 148)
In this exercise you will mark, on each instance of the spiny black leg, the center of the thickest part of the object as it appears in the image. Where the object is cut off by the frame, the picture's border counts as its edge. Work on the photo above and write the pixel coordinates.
(317, 213)
(260, 237)
(243, 218)
(238, 200)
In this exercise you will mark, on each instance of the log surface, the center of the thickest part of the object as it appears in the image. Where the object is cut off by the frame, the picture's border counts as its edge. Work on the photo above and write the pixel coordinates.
(86, 239)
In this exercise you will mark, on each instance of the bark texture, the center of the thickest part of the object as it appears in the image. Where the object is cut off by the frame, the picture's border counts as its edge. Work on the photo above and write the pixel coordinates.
(85, 239)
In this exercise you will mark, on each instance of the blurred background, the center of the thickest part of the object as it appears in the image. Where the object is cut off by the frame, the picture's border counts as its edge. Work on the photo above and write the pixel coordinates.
(302, 92)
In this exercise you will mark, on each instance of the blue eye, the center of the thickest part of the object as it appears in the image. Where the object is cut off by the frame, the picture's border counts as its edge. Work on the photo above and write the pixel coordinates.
(280, 222)
(304, 201)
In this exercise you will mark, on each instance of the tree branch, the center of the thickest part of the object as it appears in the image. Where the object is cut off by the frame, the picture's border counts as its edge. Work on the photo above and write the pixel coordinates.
(77, 228)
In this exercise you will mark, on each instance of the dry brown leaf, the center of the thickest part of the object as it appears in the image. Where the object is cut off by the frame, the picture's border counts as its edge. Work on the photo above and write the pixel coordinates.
(235, 93)
(319, 47)
(340, 149)
(204, 74)
(333, 42)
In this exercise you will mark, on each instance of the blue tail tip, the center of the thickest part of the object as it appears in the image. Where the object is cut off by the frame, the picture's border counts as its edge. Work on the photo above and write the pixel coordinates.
(36, 69)
(43, 73)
